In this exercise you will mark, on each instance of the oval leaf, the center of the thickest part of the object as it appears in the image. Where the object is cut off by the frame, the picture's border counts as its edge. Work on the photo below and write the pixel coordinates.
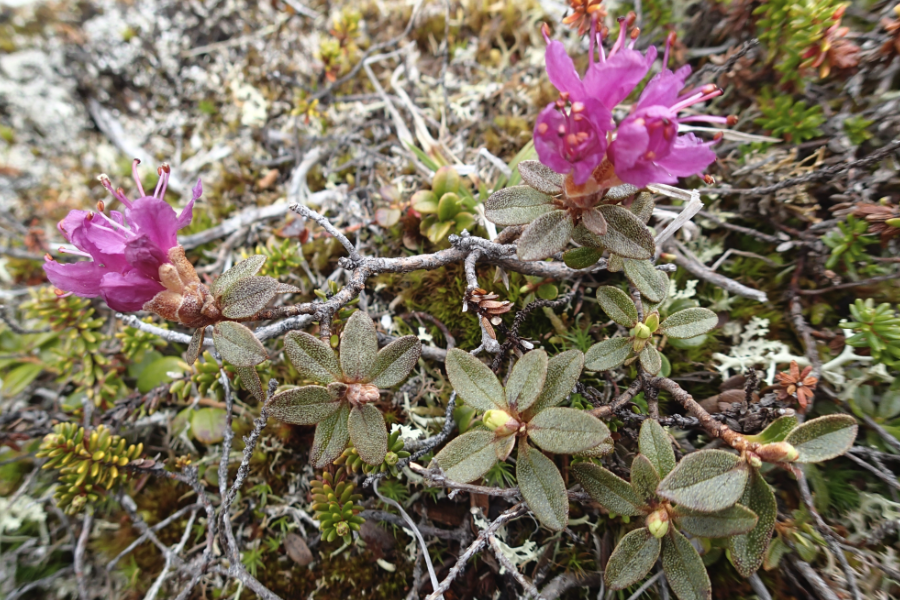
(395, 361)
(626, 235)
(684, 568)
(547, 235)
(359, 347)
(583, 237)
(607, 354)
(707, 480)
(582, 258)
(724, 523)
(617, 305)
(238, 345)
(251, 382)
(475, 383)
(469, 456)
(541, 178)
(632, 559)
(208, 425)
(748, 550)
(643, 206)
(823, 438)
(650, 282)
(248, 296)
(644, 478)
(689, 323)
(368, 433)
(776, 431)
(654, 443)
(313, 358)
(542, 487)
(517, 205)
(526, 380)
(611, 491)
(563, 371)
(331, 437)
(566, 430)
(246, 268)
(650, 359)
(303, 406)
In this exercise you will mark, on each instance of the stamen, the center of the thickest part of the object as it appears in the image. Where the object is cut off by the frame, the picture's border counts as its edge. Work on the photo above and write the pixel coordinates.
(634, 36)
(650, 155)
(621, 39)
(670, 39)
(545, 30)
(695, 99)
(731, 119)
(577, 107)
(134, 173)
(48, 258)
(709, 179)
(706, 119)
(61, 294)
(542, 128)
(163, 172)
(100, 206)
(118, 194)
(64, 250)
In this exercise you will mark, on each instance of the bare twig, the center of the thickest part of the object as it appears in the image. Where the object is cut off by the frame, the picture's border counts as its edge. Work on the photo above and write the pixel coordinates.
(698, 269)
(80, 548)
(528, 586)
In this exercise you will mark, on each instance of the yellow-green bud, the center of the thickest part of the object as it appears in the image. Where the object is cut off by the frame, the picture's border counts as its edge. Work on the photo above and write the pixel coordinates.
(446, 179)
(391, 458)
(641, 332)
(895, 222)
(342, 528)
(754, 460)
(778, 452)
(500, 422)
(652, 322)
(658, 523)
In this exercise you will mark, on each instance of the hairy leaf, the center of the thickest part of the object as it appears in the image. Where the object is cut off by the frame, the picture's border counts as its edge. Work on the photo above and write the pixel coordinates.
(563, 371)
(547, 235)
(251, 382)
(583, 237)
(650, 359)
(331, 437)
(707, 480)
(823, 438)
(689, 323)
(313, 358)
(517, 205)
(469, 456)
(594, 221)
(748, 549)
(724, 523)
(582, 258)
(598, 451)
(542, 487)
(566, 430)
(541, 178)
(246, 268)
(626, 235)
(644, 478)
(619, 192)
(643, 206)
(193, 351)
(776, 431)
(611, 491)
(650, 282)
(684, 568)
(249, 296)
(237, 344)
(395, 361)
(654, 443)
(526, 380)
(607, 354)
(632, 559)
(304, 405)
(359, 347)
(617, 305)
(368, 433)
(475, 383)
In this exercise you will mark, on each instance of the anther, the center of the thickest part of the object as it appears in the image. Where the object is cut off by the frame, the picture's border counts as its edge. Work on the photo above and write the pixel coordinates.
(100, 206)
(542, 128)
(635, 33)
(577, 107)
(718, 136)
(90, 216)
(709, 179)
(47, 257)
(630, 19)
(650, 155)
(732, 120)
(709, 88)
(564, 96)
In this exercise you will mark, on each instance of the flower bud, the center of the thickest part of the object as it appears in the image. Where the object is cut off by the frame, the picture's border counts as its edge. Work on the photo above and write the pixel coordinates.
(658, 523)
(500, 422)
(778, 452)
(342, 528)
(391, 458)
(893, 222)
(641, 331)
(754, 460)
(652, 322)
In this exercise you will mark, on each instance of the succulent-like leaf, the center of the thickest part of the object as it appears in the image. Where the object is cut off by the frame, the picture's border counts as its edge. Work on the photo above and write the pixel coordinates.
(237, 344)
(626, 235)
(706, 480)
(251, 382)
(526, 380)
(541, 178)
(652, 283)
(248, 296)
(823, 438)
(724, 523)
(304, 405)
(563, 371)
(542, 487)
(359, 347)
(654, 443)
(684, 568)
(547, 235)
(193, 351)
(313, 358)
(395, 361)
(611, 491)
(650, 359)
(776, 431)
(368, 433)
(617, 305)
(448, 206)
(689, 323)
(749, 549)
(582, 258)
(475, 383)
(246, 268)
(607, 354)
(632, 559)
(517, 205)
(644, 478)
(469, 456)
(566, 430)
(331, 437)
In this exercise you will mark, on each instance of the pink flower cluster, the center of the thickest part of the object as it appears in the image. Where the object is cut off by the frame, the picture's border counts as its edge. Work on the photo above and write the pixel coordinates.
(572, 135)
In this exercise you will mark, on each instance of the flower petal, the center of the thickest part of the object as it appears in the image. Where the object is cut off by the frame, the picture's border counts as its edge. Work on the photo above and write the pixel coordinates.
(81, 278)
(71, 222)
(689, 156)
(561, 71)
(664, 87)
(154, 218)
(143, 255)
(187, 213)
(612, 81)
(128, 292)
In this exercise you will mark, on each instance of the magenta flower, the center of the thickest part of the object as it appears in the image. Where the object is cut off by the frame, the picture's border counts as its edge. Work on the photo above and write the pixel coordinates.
(126, 251)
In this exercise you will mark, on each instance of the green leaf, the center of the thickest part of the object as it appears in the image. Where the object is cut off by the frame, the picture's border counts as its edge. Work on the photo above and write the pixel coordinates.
(626, 235)
(689, 323)
(208, 425)
(823, 438)
(774, 553)
(161, 370)
(237, 344)
(304, 405)
(724, 523)
(566, 430)
(368, 433)
(563, 371)
(684, 568)
(425, 202)
(359, 347)
(617, 305)
(775, 432)
(541, 178)
(395, 361)
(654, 443)
(643, 206)
(644, 478)
(542, 487)
(250, 295)
(748, 550)
(650, 359)
(889, 405)
(438, 231)
(526, 380)
(650, 282)
(196, 344)
(632, 559)
(246, 268)
(547, 235)
(706, 480)
(313, 358)
(469, 456)
(15, 381)
(611, 491)
(583, 237)
(582, 258)
(448, 206)
(517, 205)
(331, 437)
(475, 383)
(251, 382)
(607, 354)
